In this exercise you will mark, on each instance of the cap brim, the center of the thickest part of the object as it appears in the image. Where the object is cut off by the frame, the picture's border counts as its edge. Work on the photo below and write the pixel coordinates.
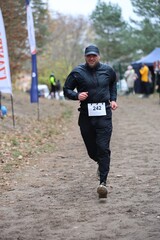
(91, 53)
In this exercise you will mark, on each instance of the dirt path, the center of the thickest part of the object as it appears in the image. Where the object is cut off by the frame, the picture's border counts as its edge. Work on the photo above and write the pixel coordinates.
(54, 197)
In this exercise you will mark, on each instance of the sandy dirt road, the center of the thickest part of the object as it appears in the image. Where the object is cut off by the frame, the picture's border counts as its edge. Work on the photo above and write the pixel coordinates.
(53, 197)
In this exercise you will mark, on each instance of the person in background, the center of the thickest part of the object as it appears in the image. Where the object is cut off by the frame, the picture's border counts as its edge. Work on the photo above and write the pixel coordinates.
(58, 88)
(96, 87)
(130, 77)
(144, 71)
(52, 80)
(158, 83)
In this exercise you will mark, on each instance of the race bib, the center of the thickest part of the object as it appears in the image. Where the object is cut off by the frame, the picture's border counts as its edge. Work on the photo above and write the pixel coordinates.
(96, 109)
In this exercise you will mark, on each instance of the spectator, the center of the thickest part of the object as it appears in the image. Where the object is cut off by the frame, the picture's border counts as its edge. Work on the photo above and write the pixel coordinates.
(130, 77)
(144, 71)
(158, 81)
(52, 80)
(58, 89)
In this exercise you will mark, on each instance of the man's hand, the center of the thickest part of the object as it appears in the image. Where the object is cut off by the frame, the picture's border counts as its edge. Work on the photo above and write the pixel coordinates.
(114, 105)
(82, 96)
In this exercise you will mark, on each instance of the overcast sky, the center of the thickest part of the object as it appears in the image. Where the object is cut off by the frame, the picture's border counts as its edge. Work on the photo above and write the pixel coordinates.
(85, 7)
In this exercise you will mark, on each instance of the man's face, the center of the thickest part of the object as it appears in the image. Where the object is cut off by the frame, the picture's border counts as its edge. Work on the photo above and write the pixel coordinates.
(92, 60)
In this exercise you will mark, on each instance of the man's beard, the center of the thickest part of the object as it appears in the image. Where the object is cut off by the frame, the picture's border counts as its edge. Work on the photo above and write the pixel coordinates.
(92, 65)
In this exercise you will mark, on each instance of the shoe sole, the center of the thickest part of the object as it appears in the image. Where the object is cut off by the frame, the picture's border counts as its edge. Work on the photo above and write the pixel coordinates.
(102, 191)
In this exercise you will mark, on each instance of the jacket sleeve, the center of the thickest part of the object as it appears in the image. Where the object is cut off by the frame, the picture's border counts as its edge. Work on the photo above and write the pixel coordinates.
(141, 71)
(70, 86)
(113, 86)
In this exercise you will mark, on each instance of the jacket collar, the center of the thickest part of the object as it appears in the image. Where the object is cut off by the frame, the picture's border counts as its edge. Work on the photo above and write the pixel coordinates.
(92, 69)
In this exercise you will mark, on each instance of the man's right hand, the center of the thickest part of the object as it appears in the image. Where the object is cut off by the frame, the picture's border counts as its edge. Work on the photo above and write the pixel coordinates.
(82, 96)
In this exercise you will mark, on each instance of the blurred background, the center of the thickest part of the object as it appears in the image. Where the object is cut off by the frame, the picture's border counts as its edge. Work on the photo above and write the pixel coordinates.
(62, 36)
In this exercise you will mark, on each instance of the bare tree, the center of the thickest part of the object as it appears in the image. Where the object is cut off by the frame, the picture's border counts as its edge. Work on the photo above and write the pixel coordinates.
(68, 38)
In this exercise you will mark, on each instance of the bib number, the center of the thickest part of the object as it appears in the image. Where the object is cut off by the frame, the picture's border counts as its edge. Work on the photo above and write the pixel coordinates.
(96, 109)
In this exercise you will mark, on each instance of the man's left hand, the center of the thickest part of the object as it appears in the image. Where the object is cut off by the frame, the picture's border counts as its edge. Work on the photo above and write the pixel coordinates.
(114, 105)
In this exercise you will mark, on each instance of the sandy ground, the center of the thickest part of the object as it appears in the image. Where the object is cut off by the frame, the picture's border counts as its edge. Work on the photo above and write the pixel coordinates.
(53, 197)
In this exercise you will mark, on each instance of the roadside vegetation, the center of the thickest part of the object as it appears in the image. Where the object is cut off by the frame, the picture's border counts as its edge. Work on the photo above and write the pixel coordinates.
(30, 138)
(61, 39)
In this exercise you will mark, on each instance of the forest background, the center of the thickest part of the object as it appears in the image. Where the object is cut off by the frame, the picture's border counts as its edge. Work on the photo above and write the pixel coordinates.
(61, 39)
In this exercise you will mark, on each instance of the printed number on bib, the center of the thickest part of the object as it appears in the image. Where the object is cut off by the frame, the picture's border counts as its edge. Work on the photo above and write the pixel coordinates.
(96, 109)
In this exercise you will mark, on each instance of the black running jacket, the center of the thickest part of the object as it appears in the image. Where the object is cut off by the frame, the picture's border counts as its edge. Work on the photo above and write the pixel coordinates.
(100, 83)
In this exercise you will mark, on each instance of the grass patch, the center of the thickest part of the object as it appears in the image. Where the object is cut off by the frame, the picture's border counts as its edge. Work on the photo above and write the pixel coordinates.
(67, 114)
(8, 168)
(15, 142)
